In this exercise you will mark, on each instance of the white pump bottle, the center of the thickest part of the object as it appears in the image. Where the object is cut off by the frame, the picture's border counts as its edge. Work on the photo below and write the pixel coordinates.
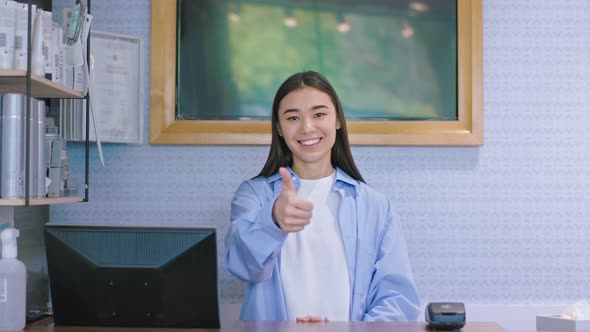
(13, 281)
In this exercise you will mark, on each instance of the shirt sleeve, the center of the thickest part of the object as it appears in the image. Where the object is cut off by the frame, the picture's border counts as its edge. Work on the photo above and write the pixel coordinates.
(253, 241)
(392, 294)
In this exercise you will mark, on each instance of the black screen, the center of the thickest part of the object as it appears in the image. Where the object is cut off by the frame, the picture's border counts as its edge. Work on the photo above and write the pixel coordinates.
(133, 276)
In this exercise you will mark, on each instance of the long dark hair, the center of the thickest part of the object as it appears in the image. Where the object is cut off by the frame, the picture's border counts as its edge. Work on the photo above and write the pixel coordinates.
(281, 156)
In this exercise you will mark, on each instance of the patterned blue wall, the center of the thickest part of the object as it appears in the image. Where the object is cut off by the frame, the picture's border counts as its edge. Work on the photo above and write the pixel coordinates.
(505, 223)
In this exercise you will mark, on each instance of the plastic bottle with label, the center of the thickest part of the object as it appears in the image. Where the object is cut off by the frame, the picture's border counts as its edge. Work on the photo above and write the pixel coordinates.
(13, 284)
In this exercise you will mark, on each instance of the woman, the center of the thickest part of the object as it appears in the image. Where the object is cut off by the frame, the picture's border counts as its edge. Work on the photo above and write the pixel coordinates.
(311, 239)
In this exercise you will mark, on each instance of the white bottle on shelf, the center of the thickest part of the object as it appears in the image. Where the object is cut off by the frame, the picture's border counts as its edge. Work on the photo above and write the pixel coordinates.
(13, 284)
(7, 27)
(37, 59)
(21, 46)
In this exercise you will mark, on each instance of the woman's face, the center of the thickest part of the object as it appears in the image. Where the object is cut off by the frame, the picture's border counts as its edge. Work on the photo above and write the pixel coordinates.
(308, 123)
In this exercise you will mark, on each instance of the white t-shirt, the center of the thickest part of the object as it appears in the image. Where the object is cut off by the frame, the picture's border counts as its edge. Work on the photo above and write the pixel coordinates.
(314, 271)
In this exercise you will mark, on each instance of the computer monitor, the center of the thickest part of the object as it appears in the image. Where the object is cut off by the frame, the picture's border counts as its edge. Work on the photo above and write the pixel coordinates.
(132, 276)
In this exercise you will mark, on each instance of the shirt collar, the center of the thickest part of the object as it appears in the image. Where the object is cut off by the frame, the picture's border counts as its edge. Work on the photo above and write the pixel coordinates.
(341, 177)
(277, 175)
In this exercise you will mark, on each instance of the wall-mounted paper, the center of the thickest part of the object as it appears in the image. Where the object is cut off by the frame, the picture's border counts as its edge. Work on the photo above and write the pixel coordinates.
(115, 70)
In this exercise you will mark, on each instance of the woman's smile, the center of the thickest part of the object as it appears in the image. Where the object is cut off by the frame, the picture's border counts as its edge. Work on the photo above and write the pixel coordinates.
(310, 142)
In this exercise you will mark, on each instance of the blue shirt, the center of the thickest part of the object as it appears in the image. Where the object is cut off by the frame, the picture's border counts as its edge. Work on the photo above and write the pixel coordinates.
(381, 282)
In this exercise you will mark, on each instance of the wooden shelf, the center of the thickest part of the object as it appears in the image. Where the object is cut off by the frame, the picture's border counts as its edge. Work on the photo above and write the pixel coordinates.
(15, 81)
(40, 201)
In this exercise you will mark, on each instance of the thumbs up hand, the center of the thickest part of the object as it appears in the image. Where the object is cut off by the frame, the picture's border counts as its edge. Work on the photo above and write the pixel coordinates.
(291, 213)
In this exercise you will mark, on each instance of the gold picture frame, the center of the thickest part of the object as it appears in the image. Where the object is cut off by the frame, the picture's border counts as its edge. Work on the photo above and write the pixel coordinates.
(165, 129)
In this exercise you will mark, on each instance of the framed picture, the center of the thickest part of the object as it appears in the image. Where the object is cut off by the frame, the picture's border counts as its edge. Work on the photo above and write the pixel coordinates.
(407, 72)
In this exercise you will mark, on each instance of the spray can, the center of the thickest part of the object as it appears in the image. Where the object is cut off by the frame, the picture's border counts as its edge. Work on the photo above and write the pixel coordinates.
(13, 143)
(13, 284)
